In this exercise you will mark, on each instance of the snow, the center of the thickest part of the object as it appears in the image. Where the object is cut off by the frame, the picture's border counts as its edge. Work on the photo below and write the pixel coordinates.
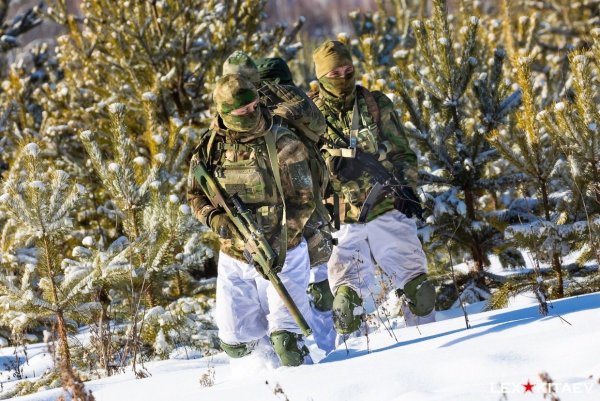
(32, 149)
(530, 262)
(503, 350)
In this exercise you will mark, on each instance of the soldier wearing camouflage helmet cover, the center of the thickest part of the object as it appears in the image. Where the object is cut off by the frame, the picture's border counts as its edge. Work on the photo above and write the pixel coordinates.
(284, 99)
(364, 120)
(252, 155)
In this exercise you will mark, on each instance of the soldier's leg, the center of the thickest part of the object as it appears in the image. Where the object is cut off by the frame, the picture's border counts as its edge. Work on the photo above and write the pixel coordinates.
(239, 316)
(285, 334)
(321, 302)
(319, 240)
(350, 271)
(398, 251)
(318, 288)
(320, 244)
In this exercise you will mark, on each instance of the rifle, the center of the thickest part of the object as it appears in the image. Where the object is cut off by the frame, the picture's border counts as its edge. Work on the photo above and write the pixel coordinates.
(383, 181)
(258, 251)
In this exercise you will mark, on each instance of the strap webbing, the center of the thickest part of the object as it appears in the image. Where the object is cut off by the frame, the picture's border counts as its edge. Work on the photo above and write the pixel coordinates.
(355, 125)
(274, 160)
(209, 146)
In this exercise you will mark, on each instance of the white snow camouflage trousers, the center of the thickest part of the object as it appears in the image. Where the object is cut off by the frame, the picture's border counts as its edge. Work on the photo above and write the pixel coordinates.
(389, 240)
(248, 307)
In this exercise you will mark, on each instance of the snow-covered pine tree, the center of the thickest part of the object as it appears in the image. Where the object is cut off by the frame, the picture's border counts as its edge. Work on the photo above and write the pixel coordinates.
(18, 116)
(40, 201)
(530, 149)
(383, 39)
(573, 125)
(450, 125)
(172, 48)
(145, 195)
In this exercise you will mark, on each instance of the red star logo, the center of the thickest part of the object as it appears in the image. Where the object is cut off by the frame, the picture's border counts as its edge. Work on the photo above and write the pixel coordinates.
(528, 386)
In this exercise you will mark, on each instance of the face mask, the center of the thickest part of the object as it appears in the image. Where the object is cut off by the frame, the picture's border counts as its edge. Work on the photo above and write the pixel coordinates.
(244, 123)
(340, 87)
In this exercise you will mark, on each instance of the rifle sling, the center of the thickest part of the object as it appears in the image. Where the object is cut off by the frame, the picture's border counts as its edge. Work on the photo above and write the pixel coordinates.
(274, 160)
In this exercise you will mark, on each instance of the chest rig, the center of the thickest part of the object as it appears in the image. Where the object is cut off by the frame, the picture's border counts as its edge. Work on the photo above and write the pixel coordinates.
(246, 169)
(360, 126)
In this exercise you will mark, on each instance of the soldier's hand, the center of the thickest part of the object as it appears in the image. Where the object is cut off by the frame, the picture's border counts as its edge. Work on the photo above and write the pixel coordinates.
(346, 168)
(410, 206)
(223, 226)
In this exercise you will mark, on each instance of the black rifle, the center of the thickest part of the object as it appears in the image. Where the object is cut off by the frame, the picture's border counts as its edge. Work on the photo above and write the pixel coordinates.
(383, 181)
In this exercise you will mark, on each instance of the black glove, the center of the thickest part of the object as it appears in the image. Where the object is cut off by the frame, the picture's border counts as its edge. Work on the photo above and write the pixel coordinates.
(346, 168)
(409, 204)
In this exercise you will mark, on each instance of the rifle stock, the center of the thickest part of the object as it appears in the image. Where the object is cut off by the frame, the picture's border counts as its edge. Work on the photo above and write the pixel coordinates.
(258, 251)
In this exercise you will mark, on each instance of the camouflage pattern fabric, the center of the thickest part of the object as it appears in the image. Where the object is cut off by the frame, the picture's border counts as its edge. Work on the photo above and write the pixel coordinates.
(274, 70)
(384, 136)
(301, 115)
(242, 64)
(244, 168)
(232, 92)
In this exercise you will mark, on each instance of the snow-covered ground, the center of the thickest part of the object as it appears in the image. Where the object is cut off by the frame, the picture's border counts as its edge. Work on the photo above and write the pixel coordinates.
(503, 351)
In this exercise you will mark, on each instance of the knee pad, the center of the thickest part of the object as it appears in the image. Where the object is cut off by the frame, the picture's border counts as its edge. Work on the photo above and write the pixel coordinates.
(347, 310)
(321, 295)
(289, 348)
(237, 350)
(420, 293)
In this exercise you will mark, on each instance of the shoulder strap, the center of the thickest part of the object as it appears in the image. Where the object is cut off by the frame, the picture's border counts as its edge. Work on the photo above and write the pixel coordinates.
(209, 145)
(372, 106)
(274, 160)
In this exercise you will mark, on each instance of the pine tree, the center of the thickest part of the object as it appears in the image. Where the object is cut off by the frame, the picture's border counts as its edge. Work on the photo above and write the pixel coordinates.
(529, 148)
(383, 39)
(120, 111)
(450, 125)
(144, 193)
(18, 114)
(41, 203)
(573, 126)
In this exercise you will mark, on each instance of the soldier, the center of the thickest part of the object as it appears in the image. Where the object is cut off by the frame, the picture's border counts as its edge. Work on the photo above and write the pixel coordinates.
(277, 90)
(377, 227)
(252, 155)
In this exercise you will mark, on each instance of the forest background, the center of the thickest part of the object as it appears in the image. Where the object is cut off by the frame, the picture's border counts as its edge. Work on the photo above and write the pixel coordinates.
(100, 107)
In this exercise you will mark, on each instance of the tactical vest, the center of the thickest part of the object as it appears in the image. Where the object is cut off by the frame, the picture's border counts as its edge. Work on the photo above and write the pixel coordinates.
(366, 138)
(245, 169)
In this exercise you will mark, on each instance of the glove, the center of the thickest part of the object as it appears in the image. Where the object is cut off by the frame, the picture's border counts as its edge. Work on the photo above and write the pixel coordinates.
(222, 226)
(409, 205)
(346, 168)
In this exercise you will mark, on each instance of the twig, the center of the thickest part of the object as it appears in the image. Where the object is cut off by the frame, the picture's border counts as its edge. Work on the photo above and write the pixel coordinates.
(460, 301)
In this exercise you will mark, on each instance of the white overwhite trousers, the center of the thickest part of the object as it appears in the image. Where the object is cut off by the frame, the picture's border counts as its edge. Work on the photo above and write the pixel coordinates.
(248, 307)
(390, 241)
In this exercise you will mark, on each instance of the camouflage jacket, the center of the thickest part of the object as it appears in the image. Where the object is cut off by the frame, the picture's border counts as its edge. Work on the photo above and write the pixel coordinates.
(380, 132)
(306, 120)
(244, 168)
